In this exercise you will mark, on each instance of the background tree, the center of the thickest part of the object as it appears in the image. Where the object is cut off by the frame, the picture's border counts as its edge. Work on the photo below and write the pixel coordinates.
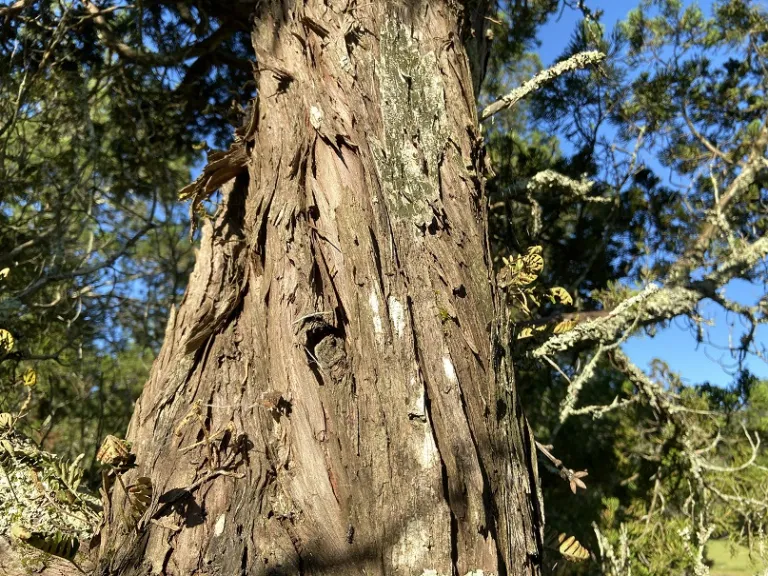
(96, 143)
(636, 253)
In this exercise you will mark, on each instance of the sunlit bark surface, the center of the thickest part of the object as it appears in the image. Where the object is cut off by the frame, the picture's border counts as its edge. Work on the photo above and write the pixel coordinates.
(339, 335)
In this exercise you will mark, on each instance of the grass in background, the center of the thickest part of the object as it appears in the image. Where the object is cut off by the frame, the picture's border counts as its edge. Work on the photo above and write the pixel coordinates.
(726, 563)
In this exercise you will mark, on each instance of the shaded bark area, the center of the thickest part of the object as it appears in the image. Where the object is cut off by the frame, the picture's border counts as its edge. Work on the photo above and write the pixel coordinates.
(333, 395)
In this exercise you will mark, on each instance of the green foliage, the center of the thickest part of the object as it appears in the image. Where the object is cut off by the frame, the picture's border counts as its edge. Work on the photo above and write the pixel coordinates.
(665, 128)
(95, 142)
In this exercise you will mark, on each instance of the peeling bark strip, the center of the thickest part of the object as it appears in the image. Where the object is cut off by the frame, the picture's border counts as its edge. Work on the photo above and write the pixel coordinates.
(333, 395)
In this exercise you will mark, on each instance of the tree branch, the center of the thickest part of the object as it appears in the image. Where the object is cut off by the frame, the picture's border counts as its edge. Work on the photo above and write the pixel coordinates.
(714, 217)
(204, 46)
(580, 60)
(655, 304)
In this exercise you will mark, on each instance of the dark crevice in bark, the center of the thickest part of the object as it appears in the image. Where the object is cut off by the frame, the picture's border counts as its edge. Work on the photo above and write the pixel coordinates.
(501, 410)
(315, 274)
(320, 333)
(299, 559)
(262, 214)
(492, 529)
(235, 207)
(433, 227)
(454, 543)
(377, 258)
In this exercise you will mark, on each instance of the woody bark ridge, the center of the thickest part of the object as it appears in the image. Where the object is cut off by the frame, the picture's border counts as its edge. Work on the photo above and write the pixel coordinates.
(345, 274)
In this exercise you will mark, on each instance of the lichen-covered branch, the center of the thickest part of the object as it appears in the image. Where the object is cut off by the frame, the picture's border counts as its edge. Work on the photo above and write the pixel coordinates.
(715, 219)
(656, 304)
(548, 180)
(653, 393)
(575, 62)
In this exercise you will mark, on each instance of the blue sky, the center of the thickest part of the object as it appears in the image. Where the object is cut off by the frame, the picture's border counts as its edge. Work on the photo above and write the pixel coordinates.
(676, 345)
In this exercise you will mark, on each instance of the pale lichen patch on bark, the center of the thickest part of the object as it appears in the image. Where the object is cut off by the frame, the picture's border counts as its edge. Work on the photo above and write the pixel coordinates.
(414, 546)
(316, 117)
(415, 133)
(218, 528)
(450, 371)
(397, 315)
(429, 453)
(418, 409)
(378, 326)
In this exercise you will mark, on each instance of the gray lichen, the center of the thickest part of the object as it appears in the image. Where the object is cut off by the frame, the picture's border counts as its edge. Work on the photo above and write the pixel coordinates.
(575, 62)
(415, 132)
(549, 180)
(39, 491)
(655, 304)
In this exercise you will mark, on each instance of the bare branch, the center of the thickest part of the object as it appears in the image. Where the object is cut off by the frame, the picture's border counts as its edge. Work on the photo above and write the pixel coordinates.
(12, 10)
(754, 445)
(701, 138)
(204, 46)
(716, 216)
(44, 280)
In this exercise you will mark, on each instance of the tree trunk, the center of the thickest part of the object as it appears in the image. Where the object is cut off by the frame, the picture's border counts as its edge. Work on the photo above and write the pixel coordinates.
(340, 334)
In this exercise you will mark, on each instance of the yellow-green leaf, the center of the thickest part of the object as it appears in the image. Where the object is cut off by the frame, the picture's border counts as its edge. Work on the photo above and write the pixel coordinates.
(114, 452)
(526, 332)
(533, 258)
(140, 496)
(564, 326)
(6, 420)
(571, 549)
(524, 278)
(561, 295)
(30, 378)
(56, 544)
(6, 341)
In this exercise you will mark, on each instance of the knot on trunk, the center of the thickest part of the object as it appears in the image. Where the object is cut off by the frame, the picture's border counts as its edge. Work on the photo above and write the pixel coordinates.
(325, 348)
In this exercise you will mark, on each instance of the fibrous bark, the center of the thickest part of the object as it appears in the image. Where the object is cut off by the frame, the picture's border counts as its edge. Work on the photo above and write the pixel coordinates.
(339, 336)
